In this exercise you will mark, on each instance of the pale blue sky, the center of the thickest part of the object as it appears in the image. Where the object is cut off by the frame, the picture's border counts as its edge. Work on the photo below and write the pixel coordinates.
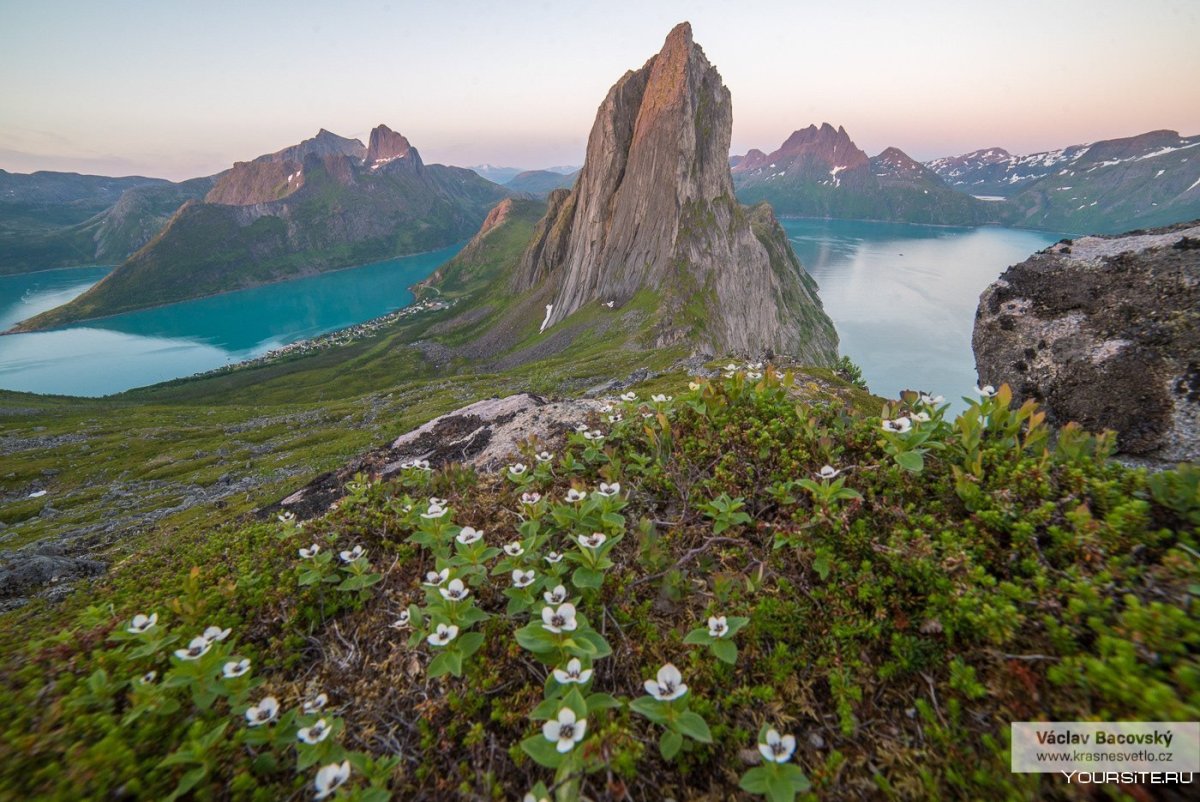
(180, 89)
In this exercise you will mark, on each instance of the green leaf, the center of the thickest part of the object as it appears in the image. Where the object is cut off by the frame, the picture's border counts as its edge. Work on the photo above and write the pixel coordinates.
(911, 461)
(822, 564)
(794, 775)
(650, 708)
(542, 751)
(725, 650)
(534, 638)
(546, 710)
(780, 788)
(669, 744)
(587, 578)
(469, 643)
(601, 701)
(597, 646)
(755, 781)
(694, 727)
(700, 636)
(448, 662)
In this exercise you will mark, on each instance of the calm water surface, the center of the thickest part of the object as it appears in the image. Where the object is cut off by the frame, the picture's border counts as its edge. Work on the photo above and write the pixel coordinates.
(903, 296)
(140, 348)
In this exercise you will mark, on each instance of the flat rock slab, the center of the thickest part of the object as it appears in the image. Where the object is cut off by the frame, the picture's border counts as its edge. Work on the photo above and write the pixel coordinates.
(485, 435)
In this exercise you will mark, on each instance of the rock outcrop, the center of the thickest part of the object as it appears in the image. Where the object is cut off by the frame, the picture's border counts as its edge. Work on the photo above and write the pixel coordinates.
(1104, 331)
(387, 146)
(653, 209)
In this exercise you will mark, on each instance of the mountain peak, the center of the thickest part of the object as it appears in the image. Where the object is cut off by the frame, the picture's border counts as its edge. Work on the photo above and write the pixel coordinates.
(387, 145)
(653, 210)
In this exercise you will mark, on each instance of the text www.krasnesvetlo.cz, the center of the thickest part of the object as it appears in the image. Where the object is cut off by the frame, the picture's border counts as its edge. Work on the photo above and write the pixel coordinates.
(1142, 756)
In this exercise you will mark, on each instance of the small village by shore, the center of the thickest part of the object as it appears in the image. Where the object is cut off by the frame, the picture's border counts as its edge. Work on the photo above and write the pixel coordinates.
(335, 338)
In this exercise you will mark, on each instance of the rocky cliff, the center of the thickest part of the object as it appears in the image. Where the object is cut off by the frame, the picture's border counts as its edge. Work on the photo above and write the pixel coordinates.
(1104, 331)
(653, 209)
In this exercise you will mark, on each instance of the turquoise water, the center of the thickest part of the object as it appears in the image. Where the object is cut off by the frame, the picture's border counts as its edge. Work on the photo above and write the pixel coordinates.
(903, 297)
(140, 348)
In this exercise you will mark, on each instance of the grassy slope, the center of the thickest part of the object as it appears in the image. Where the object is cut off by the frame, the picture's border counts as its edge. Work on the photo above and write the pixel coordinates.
(895, 634)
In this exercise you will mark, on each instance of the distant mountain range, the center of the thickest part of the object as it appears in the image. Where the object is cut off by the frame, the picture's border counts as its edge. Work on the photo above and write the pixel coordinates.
(1104, 187)
(540, 183)
(820, 172)
(327, 202)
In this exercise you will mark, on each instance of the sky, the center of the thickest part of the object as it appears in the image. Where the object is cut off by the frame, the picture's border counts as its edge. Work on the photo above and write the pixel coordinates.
(182, 89)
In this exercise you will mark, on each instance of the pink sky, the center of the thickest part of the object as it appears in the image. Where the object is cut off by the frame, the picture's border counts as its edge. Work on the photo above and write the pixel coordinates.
(160, 89)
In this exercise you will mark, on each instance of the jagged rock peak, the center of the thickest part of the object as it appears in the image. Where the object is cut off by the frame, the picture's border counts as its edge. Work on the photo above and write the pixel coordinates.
(325, 143)
(654, 209)
(387, 145)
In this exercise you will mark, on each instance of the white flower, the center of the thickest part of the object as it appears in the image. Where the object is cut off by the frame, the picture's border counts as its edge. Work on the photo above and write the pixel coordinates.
(556, 596)
(987, 391)
(455, 591)
(434, 511)
(554, 557)
(330, 778)
(560, 620)
(574, 495)
(575, 672)
(514, 549)
(435, 578)
(216, 633)
(922, 417)
(717, 626)
(617, 418)
(828, 472)
(440, 502)
(352, 555)
(235, 668)
(198, 647)
(754, 365)
(420, 464)
(443, 635)
(693, 385)
(517, 469)
(314, 734)
(581, 427)
(141, 623)
(608, 491)
(531, 498)
(468, 535)
(592, 541)
(403, 621)
(263, 712)
(594, 434)
(779, 376)
(607, 408)
(523, 579)
(669, 685)
(630, 396)
(316, 703)
(287, 517)
(565, 730)
(544, 456)
(148, 677)
(778, 749)
(753, 374)
(900, 425)
(659, 398)
(731, 367)
(310, 552)
(931, 400)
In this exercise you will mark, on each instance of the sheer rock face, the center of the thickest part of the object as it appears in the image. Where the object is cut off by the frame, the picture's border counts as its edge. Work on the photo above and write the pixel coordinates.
(1104, 331)
(388, 147)
(654, 209)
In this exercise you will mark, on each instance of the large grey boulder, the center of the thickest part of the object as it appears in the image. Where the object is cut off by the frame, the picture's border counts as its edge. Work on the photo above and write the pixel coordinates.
(1104, 331)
